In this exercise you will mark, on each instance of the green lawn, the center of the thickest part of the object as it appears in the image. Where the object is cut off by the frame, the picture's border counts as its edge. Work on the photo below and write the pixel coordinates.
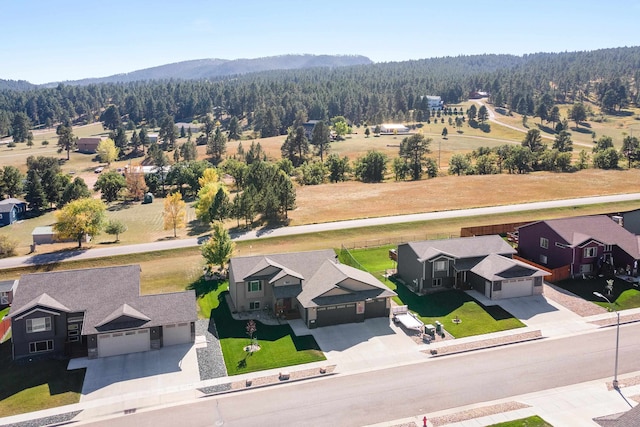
(31, 386)
(534, 421)
(624, 294)
(208, 295)
(279, 346)
(441, 306)
(4, 312)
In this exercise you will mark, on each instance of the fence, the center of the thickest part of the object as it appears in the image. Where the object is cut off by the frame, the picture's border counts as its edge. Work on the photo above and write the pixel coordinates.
(345, 257)
(483, 230)
(375, 243)
(5, 325)
(556, 274)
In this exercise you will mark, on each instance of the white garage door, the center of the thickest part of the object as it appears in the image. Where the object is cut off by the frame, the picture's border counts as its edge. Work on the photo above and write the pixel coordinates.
(123, 343)
(517, 288)
(176, 334)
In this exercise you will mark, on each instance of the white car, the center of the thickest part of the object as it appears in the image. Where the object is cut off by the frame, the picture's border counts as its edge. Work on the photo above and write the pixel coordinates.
(98, 170)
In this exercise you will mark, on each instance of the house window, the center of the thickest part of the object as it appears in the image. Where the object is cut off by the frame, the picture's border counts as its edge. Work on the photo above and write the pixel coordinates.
(607, 248)
(40, 346)
(591, 252)
(537, 281)
(440, 266)
(497, 286)
(254, 286)
(40, 324)
(544, 242)
(255, 305)
(436, 283)
(585, 268)
(543, 259)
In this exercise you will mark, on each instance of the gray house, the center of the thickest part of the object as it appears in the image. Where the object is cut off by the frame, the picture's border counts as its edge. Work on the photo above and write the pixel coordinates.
(308, 285)
(483, 263)
(96, 312)
(7, 290)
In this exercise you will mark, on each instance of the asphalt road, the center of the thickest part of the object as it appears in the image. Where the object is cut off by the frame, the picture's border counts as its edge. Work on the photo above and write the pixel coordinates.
(406, 391)
(310, 228)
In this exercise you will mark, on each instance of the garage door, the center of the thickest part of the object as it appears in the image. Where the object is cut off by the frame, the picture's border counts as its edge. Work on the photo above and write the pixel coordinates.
(376, 308)
(123, 343)
(336, 314)
(517, 288)
(179, 333)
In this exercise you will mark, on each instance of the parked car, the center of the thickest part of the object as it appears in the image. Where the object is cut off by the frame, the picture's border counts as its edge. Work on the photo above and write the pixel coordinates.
(98, 170)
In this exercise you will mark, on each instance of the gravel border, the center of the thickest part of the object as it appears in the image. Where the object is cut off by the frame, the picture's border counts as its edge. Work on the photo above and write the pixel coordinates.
(59, 419)
(624, 318)
(487, 343)
(477, 413)
(572, 301)
(627, 382)
(210, 360)
(275, 379)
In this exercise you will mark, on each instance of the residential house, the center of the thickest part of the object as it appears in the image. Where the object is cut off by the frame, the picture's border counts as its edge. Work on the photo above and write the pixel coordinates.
(308, 128)
(393, 129)
(11, 210)
(96, 312)
(194, 127)
(434, 102)
(312, 285)
(7, 289)
(88, 145)
(483, 263)
(588, 244)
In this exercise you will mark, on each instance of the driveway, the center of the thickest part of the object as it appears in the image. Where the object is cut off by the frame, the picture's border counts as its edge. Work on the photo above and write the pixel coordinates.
(541, 312)
(144, 372)
(360, 346)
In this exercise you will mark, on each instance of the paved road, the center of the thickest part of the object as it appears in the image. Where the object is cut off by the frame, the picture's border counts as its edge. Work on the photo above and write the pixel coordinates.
(310, 228)
(406, 391)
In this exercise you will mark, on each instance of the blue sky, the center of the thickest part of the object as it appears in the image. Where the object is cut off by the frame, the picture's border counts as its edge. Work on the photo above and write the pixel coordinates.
(56, 40)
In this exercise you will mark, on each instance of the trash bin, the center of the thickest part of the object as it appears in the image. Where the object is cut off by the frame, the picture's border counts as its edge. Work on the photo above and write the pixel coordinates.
(438, 327)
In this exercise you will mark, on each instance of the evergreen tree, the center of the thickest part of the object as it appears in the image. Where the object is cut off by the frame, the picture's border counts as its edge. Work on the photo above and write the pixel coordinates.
(35, 195)
(320, 139)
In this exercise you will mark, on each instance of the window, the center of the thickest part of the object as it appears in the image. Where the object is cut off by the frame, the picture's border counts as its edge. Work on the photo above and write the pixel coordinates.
(440, 266)
(40, 346)
(255, 305)
(591, 252)
(585, 268)
(537, 281)
(254, 286)
(4, 298)
(40, 324)
(544, 242)
(607, 248)
(436, 283)
(543, 259)
(497, 286)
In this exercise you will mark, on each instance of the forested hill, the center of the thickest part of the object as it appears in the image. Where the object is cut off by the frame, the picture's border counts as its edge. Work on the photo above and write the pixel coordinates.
(215, 68)
(15, 85)
(269, 101)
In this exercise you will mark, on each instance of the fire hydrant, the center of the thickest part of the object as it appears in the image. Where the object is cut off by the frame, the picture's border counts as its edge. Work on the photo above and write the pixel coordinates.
(424, 421)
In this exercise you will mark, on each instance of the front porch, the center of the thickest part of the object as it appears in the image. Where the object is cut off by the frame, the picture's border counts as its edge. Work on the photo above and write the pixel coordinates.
(265, 315)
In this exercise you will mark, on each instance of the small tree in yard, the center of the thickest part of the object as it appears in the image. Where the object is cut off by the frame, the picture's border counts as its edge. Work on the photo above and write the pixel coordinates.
(174, 212)
(219, 248)
(251, 330)
(115, 227)
(80, 218)
(7, 246)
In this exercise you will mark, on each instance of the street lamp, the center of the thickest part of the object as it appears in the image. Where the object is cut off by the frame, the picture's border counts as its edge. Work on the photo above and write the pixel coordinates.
(615, 374)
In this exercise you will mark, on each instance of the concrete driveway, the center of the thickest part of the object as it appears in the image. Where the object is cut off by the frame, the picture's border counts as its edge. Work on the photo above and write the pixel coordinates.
(542, 313)
(360, 346)
(138, 372)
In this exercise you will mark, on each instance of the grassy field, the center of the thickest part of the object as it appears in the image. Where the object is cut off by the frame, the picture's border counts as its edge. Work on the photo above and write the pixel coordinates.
(279, 346)
(442, 306)
(534, 421)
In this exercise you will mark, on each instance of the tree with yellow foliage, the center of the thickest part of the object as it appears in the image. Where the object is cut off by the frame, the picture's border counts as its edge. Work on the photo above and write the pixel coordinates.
(175, 213)
(107, 151)
(80, 218)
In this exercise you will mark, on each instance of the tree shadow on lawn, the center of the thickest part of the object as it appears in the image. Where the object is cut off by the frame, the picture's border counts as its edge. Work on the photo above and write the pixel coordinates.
(120, 206)
(203, 287)
(17, 376)
(585, 288)
(498, 313)
(196, 227)
(438, 304)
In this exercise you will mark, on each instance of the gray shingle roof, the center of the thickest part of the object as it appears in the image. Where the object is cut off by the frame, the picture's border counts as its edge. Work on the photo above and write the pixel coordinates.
(497, 267)
(7, 285)
(462, 247)
(631, 418)
(578, 230)
(332, 276)
(101, 292)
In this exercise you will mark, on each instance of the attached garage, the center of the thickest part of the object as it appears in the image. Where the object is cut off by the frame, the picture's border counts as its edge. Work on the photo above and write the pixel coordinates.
(178, 333)
(117, 343)
(336, 314)
(517, 288)
(376, 308)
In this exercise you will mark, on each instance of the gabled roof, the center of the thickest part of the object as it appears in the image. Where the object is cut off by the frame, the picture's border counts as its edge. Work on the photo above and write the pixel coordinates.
(299, 264)
(577, 230)
(40, 301)
(631, 418)
(8, 285)
(462, 247)
(331, 276)
(125, 310)
(12, 201)
(265, 263)
(102, 293)
(497, 267)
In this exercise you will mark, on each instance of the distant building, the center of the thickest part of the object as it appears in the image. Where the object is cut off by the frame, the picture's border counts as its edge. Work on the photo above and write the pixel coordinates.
(308, 128)
(393, 129)
(478, 94)
(194, 127)
(88, 145)
(11, 210)
(434, 102)
(153, 137)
